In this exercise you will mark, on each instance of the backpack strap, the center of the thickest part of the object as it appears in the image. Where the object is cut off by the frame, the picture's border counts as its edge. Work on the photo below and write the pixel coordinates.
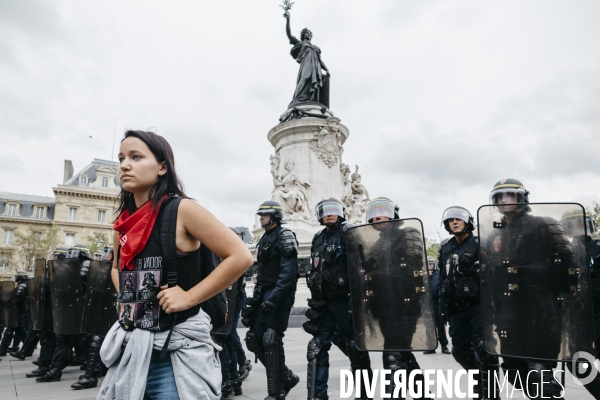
(168, 236)
(168, 245)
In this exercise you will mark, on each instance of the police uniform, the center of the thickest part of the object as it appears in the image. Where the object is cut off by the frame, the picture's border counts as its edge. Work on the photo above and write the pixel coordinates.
(268, 310)
(461, 301)
(329, 305)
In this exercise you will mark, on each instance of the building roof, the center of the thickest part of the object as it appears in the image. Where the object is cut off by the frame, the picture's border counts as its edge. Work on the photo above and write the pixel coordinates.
(27, 197)
(90, 172)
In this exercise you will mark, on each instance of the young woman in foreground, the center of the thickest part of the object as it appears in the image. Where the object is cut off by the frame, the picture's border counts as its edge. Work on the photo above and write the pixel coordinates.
(132, 348)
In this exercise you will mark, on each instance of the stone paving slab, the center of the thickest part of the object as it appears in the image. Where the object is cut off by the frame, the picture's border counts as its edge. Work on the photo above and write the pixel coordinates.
(14, 385)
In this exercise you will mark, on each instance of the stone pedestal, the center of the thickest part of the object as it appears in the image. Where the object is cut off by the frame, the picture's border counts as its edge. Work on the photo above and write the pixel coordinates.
(307, 167)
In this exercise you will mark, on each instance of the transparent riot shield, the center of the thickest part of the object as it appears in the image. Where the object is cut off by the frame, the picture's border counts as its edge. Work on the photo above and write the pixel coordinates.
(35, 288)
(231, 293)
(67, 295)
(99, 310)
(9, 305)
(535, 281)
(392, 306)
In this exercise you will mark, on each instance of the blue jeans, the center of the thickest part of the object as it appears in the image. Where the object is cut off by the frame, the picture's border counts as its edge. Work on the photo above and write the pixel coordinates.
(160, 384)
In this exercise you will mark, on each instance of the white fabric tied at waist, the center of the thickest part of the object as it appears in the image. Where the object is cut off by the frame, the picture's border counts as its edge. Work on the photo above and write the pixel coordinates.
(194, 356)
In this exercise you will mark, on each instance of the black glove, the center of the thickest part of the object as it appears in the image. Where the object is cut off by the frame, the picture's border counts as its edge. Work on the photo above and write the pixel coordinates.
(268, 307)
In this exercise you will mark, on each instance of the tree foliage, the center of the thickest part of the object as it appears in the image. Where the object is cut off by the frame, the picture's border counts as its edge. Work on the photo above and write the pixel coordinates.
(96, 242)
(32, 244)
(594, 212)
(433, 251)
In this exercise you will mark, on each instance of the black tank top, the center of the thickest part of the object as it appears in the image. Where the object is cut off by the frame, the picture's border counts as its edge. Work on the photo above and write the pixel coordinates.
(138, 305)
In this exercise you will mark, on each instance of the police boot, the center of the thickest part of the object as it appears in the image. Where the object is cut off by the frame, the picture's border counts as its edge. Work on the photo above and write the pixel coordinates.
(20, 355)
(226, 390)
(411, 365)
(393, 362)
(28, 346)
(244, 370)
(237, 388)
(289, 379)
(273, 365)
(85, 382)
(359, 360)
(53, 375)
(540, 381)
(36, 373)
(468, 360)
(488, 373)
(6, 339)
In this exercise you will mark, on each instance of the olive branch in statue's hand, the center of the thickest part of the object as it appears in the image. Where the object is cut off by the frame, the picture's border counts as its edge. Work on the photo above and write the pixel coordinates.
(287, 5)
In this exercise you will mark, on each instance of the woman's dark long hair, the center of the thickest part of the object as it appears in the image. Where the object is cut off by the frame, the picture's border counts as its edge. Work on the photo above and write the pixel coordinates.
(167, 184)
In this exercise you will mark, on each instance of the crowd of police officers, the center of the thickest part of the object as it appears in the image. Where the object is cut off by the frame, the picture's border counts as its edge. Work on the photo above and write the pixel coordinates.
(524, 289)
(49, 309)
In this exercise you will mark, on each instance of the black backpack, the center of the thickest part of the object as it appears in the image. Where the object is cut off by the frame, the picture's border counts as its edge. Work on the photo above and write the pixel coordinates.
(215, 307)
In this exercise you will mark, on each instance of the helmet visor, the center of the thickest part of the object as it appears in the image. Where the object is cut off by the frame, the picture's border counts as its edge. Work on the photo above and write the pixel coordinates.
(329, 208)
(380, 209)
(73, 253)
(507, 196)
(457, 212)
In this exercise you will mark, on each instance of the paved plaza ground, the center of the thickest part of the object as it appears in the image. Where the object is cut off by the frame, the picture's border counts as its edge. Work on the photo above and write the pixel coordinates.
(14, 384)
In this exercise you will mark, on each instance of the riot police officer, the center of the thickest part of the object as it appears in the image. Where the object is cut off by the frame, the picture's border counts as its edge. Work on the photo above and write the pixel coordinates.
(329, 302)
(22, 305)
(530, 245)
(458, 260)
(573, 223)
(269, 309)
(47, 335)
(64, 343)
(32, 338)
(405, 241)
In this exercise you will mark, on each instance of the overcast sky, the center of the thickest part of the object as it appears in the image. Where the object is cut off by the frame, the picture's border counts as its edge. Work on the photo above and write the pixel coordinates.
(442, 99)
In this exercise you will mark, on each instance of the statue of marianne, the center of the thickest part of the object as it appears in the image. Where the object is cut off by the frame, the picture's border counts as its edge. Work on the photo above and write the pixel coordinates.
(312, 84)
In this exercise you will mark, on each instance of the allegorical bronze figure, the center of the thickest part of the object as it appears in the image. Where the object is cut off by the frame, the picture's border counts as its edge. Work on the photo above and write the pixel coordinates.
(312, 85)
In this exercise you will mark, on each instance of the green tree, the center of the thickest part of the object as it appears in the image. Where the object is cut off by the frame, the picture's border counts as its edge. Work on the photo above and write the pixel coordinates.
(594, 212)
(96, 242)
(32, 244)
(433, 250)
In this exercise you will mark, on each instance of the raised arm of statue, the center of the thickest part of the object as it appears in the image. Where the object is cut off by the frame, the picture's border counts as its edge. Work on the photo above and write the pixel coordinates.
(288, 30)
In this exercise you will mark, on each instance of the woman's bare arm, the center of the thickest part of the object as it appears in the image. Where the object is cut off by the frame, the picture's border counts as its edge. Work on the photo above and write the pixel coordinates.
(114, 272)
(204, 227)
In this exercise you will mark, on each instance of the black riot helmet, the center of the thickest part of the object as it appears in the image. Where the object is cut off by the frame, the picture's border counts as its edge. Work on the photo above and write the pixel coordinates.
(80, 251)
(330, 206)
(274, 210)
(382, 207)
(460, 213)
(20, 276)
(576, 223)
(60, 253)
(510, 187)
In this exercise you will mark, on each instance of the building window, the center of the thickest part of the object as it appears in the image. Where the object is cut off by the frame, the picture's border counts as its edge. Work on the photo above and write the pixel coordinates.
(12, 210)
(83, 180)
(72, 213)
(4, 261)
(70, 239)
(102, 216)
(7, 238)
(39, 212)
(104, 182)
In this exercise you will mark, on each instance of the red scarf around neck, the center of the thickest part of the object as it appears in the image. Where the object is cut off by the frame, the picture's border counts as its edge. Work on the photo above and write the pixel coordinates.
(134, 232)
